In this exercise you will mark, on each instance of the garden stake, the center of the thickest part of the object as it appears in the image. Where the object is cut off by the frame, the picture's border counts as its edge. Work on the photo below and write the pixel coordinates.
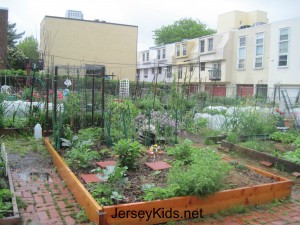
(124, 124)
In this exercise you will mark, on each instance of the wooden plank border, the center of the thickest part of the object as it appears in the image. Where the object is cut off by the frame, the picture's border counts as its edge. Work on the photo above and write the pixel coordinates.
(179, 208)
(15, 219)
(82, 196)
(261, 156)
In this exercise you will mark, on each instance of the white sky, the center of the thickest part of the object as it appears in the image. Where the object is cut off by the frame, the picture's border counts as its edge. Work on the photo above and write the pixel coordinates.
(148, 15)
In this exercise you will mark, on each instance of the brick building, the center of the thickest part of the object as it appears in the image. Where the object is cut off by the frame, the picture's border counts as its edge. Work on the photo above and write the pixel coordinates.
(3, 36)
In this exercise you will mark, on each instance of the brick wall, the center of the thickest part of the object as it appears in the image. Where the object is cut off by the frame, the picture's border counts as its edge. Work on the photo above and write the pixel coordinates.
(3, 36)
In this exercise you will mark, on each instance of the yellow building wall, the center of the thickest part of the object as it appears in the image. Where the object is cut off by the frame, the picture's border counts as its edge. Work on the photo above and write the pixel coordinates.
(236, 19)
(79, 42)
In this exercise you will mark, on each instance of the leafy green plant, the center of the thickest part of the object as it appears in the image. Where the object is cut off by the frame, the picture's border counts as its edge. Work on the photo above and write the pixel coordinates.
(205, 175)
(293, 156)
(128, 152)
(5, 202)
(81, 217)
(81, 155)
(158, 193)
(183, 151)
(284, 137)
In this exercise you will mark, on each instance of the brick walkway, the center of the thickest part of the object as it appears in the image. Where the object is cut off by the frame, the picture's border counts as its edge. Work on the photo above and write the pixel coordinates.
(48, 199)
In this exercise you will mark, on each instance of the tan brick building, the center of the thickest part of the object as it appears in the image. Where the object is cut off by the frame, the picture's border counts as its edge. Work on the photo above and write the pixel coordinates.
(78, 43)
(3, 36)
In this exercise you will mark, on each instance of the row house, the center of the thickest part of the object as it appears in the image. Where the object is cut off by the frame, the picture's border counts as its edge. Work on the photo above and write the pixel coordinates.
(245, 57)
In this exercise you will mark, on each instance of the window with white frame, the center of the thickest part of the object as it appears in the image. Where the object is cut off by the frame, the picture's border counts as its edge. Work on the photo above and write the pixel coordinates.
(202, 46)
(259, 50)
(177, 50)
(210, 44)
(158, 54)
(153, 70)
(147, 56)
(163, 53)
(241, 53)
(283, 47)
(179, 72)
(146, 73)
(184, 47)
(144, 56)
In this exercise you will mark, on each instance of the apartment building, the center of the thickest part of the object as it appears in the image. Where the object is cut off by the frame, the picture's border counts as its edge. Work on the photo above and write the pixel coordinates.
(82, 44)
(246, 56)
(284, 61)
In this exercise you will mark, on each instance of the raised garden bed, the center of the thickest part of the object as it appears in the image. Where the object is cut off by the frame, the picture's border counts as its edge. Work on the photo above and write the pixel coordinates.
(261, 156)
(13, 217)
(178, 208)
(13, 131)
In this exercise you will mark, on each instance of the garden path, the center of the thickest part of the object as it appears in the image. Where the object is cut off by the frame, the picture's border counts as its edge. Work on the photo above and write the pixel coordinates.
(43, 194)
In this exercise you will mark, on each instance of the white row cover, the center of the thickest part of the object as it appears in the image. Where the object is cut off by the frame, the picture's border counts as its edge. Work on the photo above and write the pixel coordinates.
(21, 108)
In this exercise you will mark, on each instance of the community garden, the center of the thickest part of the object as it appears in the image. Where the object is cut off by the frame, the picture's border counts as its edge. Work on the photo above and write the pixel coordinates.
(154, 145)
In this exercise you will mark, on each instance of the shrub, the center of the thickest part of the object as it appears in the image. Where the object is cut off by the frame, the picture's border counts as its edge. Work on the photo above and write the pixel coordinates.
(183, 152)
(205, 175)
(128, 152)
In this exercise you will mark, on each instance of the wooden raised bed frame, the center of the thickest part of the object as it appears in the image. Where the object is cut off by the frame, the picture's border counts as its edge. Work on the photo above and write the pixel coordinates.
(221, 200)
(15, 219)
(261, 156)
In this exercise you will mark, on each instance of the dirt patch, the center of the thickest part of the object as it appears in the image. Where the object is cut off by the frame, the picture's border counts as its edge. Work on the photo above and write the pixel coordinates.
(238, 177)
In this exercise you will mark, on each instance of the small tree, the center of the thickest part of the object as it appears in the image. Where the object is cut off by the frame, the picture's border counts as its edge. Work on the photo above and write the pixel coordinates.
(15, 58)
(182, 29)
(29, 46)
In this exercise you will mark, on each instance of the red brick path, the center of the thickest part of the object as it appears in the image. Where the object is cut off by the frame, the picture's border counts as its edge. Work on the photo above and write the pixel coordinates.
(48, 202)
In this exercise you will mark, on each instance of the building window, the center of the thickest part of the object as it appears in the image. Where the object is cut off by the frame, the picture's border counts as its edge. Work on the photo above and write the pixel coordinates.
(259, 50)
(147, 56)
(184, 49)
(169, 71)
(153, 70)
(159, 70)
(164, 53)
(158, 54)
(144, 57)
(210, 44)
(283, 46)
(202, 65)
(202, 45)
(177, 50)
(179, 72)
(241, 53)
(146, 73)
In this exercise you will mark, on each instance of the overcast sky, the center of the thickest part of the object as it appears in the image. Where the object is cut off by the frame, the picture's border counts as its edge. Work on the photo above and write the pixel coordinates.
(148, 15)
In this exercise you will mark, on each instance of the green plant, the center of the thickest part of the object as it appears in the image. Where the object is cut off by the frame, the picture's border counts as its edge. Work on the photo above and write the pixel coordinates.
(158, 193)
(293, 156)
(284, 137)
(183, 151)
(81, 217)
(205, 175)
(81, 155)
(5, 202)
(128, 152)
